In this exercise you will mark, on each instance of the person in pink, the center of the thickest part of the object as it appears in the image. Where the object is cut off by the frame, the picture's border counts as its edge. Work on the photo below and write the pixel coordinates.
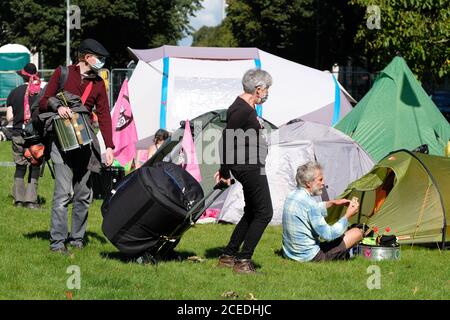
(18, 112)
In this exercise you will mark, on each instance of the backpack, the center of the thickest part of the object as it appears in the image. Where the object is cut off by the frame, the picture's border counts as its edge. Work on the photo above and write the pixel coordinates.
(34, 130)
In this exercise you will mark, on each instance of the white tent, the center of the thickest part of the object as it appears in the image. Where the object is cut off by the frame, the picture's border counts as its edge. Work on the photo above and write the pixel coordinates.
(173, 83)
(292, 145)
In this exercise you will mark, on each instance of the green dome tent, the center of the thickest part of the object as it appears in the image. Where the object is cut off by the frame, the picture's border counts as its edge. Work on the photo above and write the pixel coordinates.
(406, 192)
(396, 114)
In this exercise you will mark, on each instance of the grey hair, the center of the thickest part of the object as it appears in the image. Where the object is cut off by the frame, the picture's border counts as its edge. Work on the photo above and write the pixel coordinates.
(306, 173)
(255, 78)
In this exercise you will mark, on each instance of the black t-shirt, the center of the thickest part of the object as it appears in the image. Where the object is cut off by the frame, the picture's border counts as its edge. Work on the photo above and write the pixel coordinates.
(243, 143)
(16, 100)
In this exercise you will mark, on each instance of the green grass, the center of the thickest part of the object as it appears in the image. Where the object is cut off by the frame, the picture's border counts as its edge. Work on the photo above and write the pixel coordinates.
(29, 271)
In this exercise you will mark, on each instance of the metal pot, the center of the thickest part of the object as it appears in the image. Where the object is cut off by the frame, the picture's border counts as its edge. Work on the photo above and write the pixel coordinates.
(377, 253)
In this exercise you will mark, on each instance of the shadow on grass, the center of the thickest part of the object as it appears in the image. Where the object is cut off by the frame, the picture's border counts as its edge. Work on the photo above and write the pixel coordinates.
(45, 235)
(212, 253)
(175, 256)
(42, 200)
(279, 252)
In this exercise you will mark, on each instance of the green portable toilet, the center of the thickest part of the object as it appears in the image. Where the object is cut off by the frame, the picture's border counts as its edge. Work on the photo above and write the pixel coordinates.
(406, 194)
(13, 57)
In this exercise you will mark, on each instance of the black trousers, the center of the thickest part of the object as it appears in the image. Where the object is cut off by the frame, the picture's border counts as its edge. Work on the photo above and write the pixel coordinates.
(257, 212)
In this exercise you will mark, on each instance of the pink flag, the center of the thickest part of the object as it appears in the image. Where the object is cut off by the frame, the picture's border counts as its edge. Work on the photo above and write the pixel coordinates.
(190, 157)
(124, 127)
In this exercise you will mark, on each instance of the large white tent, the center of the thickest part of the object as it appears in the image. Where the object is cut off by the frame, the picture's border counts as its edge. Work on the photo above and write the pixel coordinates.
(171, 84)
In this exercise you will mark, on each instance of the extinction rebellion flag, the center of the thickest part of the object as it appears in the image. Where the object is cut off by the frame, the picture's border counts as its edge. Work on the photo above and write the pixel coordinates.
(124, 127)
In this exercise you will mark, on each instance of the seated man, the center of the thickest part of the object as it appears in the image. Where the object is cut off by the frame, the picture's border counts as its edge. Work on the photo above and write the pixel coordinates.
(304, 221)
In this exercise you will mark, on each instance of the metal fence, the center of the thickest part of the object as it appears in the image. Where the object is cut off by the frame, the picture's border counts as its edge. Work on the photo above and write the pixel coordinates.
(357, 84)
(117, 76)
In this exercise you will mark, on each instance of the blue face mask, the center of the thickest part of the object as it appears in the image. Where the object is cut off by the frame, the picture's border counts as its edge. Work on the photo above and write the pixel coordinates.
(97, 65)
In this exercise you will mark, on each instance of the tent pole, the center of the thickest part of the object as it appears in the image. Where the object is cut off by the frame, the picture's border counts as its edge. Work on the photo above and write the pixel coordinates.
(360, 206)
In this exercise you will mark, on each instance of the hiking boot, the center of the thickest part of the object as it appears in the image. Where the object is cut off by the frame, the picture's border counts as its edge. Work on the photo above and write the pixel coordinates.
(226, 261)
(62, 250)
(244, 266)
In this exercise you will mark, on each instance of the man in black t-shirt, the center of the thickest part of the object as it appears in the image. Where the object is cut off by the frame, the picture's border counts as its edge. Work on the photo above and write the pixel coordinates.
(18, 111)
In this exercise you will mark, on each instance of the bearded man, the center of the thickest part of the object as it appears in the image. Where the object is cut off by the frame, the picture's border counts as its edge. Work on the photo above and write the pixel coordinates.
(304, 221)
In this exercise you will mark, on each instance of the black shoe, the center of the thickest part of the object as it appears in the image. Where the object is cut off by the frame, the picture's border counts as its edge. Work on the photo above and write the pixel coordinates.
(18, 204)
(62, 251)
(77, 245)
(173, 256)
(32, 205)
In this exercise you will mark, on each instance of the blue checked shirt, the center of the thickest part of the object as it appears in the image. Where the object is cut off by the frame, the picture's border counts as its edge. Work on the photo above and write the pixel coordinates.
(304, 223)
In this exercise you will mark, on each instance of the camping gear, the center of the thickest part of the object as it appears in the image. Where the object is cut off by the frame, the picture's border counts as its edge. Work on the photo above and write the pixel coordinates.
(151, 208)
(35, 154)
(378, 253)
(104, 181)
(179, 83)
(396, 114)
(343, 161)
(72, 133)
(415, 200)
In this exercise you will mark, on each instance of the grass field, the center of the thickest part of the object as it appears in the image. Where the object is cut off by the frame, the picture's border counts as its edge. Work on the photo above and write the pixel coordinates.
(29, 271)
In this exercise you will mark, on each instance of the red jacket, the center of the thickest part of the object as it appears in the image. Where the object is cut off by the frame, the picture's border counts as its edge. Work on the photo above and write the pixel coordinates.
(97, 98)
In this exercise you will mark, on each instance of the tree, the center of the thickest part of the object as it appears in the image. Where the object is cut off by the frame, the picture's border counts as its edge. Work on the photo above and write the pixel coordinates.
(117, 24)
(219, 36)
(316, 33)
(419, 30)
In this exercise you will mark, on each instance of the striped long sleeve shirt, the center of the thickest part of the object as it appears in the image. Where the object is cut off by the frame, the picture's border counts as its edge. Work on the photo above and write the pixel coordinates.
(304, 224)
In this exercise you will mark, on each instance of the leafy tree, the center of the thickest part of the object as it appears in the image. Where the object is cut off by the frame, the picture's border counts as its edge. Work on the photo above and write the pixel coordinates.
(219, 36)
(312, 32)
(117, 24)
(419, 30)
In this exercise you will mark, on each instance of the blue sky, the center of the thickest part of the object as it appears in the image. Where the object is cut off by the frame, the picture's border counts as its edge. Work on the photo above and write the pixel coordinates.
(210, 15)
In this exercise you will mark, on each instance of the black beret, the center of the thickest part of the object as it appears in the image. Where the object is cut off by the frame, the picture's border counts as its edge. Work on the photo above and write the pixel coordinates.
(93, 46)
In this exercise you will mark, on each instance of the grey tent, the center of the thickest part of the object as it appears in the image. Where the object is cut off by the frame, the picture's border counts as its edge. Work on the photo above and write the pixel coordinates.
(294, 144)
